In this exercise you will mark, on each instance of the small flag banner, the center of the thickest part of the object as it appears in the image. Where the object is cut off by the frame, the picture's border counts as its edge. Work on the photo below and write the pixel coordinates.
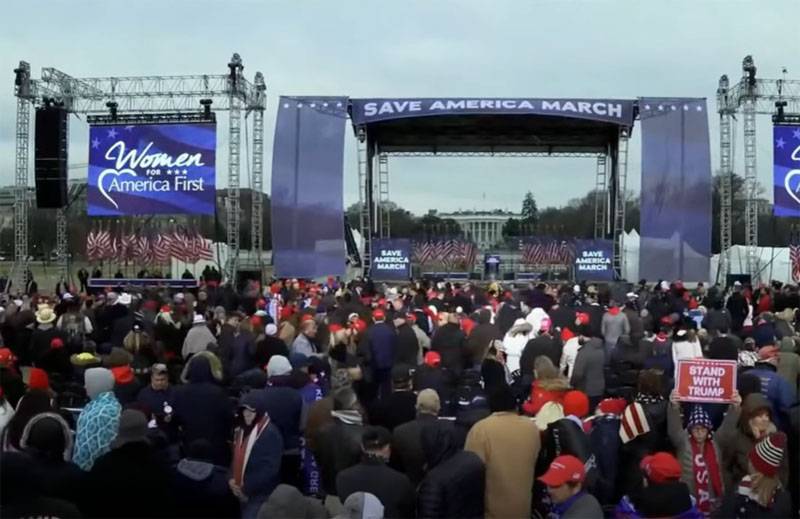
(547, 251)
(452, 253)
(148, 248)
(794, 257)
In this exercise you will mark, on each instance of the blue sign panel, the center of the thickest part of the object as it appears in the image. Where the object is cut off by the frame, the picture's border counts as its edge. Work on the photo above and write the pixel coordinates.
(786, 168)
(391, 259)
(593, 260)
(152, 169)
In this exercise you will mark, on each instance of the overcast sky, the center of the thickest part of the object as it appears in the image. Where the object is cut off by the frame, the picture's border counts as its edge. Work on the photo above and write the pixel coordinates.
(426, 48)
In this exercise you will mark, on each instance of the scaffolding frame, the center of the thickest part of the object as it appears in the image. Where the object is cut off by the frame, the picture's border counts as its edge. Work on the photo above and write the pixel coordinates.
(751, 96)
(97, 96)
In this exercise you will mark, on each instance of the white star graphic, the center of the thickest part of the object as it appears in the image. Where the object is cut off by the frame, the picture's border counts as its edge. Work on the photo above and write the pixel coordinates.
(699, 108)
(780, 143)
(95, 143)
(647, 107)
(796, 134)
(112, 133)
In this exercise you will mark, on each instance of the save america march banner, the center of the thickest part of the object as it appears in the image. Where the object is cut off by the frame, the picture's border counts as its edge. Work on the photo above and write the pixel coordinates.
(152, 169)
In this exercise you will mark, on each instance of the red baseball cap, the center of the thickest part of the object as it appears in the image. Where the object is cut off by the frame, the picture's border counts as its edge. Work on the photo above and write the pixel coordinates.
(335, 327)
(306, 317)
(564, 469)
(6, 357)
(661, 467)
(360, 325)
(378, 314)
(433, 359)
(38, 379)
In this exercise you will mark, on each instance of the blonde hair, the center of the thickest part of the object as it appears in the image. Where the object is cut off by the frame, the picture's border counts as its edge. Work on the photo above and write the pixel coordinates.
(544, 368)
(763, 486)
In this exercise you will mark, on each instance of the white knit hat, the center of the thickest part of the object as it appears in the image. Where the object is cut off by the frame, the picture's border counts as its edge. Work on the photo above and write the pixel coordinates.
(278, 365)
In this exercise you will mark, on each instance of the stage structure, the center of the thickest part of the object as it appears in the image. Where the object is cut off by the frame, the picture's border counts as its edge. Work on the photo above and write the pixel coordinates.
(307, 154)
(144, 100)
(751, 96)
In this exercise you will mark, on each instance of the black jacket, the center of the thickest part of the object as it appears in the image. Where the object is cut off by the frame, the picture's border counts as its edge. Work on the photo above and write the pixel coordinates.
(392, 488)
(407, 346)
(337, 446)
(407, 455)
(129, 481)
(742, 507)
(542, 345)
(449, 342)
(454, 485)
(481, 336)
(441, 380)
(201, 490)
(203, 410)
(393, 410)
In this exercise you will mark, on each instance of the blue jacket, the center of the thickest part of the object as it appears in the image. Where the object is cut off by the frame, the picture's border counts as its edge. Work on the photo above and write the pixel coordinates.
(778, 391)
(263, 470)
(382, 343)
(284, 406)
(242, 350)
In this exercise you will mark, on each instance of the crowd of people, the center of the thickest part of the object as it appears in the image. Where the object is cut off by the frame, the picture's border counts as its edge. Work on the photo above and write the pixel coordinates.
(425, 399)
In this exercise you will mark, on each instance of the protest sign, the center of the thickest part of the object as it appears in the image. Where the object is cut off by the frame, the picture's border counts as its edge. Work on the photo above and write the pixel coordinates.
(706, 380)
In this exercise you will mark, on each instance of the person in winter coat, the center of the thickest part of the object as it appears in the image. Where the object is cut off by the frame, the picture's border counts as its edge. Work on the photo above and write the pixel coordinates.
(408, 351)
(481, 336)
(685, 346)
(397, 408)
(48, 440)
(287, 501)
(775, 388)
(454, 485)
(514, 343)
(99, 420)
(508, 445)
(738, 307)
(564, 479)
(784, 321)
(32, 403)
(200, 487)
(337, 445)
(759, 494)
(507, 313)
(449, 342)
(284, 405)
(202, 409)
(198, 339)
(543, 344)
(373, 475)
(243, 349)
(745, 424)
(613, 325)
(22, 495)
(257, 453)
(661, 494)
(126, 385)
(698, 453)
(549, 386)
(431, 375)
(380, 345)
(407, 454)
(789, 363)
(658, 353)
(718, 319)
(131, 468)
(588, 375)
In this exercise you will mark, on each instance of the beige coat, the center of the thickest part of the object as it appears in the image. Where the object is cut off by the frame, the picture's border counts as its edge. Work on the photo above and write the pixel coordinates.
(509, 445)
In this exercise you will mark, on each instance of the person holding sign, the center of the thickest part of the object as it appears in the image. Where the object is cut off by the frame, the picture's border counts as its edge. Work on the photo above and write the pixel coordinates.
(698, 454)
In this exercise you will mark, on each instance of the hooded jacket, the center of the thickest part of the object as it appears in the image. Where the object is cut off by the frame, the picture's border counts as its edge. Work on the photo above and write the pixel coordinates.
(514, 343)
(337, 446)
(372, 475)
(546, 345)
(197, 340)
(202, 409)
(97, 428)
(543, 391)
(48, 440)
(454, 484)
(449, 341)
(201, 490)
(683, 451)
(588, 375)
(736, 439)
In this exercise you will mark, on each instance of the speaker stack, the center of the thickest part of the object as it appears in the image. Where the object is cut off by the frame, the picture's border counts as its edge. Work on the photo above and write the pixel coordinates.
(51, 157)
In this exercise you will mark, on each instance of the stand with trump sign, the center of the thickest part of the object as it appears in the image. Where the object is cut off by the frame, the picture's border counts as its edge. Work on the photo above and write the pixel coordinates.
(706, 380)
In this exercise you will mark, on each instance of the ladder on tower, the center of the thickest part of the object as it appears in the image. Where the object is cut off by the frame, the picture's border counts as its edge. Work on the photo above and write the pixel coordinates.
(600, 197)
(384, 209)
(620, 203)
(365, 223)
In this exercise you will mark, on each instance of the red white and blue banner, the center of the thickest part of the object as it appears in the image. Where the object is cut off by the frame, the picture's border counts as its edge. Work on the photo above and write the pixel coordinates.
(152, 169)
(786, 170)
(617, 111)
(451, 253)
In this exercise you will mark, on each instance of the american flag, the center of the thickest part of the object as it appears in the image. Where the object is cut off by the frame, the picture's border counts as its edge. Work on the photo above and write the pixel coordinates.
(544, 251)
(449, 252)
(794, 256)
(161, 248)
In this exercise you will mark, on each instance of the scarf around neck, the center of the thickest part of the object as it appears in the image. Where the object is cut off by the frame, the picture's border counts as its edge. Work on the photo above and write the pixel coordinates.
(705, 471)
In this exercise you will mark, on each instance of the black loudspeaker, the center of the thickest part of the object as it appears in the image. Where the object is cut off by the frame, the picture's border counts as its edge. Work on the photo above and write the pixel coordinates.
(744, 279)
(51, 157)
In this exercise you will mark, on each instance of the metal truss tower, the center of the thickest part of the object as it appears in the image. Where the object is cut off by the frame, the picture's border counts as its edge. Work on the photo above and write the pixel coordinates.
(600, 197)
(146, 96)
(383, 209)
(752, 96)
(257, 172)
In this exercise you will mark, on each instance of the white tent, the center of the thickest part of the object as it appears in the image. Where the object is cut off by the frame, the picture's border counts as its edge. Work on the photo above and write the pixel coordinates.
(774, 263)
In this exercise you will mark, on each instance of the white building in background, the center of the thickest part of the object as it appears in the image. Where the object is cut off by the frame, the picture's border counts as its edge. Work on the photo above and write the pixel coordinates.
(483, 227)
